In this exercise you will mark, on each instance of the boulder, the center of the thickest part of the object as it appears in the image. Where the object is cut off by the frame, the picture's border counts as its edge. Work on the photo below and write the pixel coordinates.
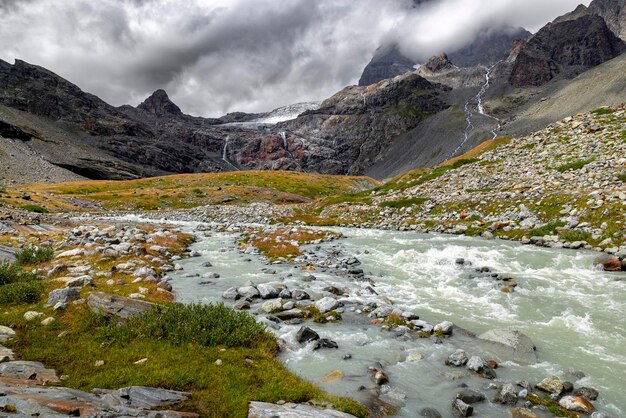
(324, 343)
(457, 359)
(508, 345)
(444, 328)
(112, 305)
(522, 413)
(430, 413)
(589, 393)
(6, 354)
(6, 333)
(476, 364)
(577, 404)
(306, 335)
(461, 408)
(63, 295)
(230, 294)
(470, 396)
(506, 395)
(608, 263)
(269, 291)
(326, 304)
(143, 397)
(290, 410)
(271, 306)
(551, 384)
(28, 370)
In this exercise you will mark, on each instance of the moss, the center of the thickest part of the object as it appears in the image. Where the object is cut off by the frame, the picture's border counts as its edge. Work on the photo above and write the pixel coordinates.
(404, 203)
(574, 165)
(35, 208)
(603, 111)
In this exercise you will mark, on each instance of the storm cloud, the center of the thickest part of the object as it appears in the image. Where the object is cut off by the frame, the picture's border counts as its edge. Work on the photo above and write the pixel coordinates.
(217, 56)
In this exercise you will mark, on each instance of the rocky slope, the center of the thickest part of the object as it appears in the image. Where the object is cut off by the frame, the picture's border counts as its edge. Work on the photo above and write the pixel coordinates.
(612, 11)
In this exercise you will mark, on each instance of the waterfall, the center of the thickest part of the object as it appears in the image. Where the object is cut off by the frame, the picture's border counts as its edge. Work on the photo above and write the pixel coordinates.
(225, 154)
(283, 135)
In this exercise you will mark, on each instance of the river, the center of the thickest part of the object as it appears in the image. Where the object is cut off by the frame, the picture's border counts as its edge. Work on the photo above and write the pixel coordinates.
(573, 313)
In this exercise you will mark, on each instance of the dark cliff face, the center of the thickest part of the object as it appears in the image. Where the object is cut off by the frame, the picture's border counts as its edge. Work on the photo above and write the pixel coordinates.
(160, 105)
(566, 48)
(490, 46)
(612, 11)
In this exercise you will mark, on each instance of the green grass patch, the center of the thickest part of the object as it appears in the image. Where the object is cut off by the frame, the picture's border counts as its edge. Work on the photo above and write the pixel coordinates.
(576, 235)
(34, 255)
(547, 229)
(622, 177)
(181, 345)
(404, 203)
(18, 286)
(603, 111)
(574, 165)
(35, 208)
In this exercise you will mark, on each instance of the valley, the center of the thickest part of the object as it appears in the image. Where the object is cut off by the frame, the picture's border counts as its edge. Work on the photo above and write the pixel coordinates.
(446, 238)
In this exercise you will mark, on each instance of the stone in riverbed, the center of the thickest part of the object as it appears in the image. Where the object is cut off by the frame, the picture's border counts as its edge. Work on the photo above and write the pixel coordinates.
(457, 359)
(551, 384)
(444, 328)
(326, 304)
(470, 396)
(506, 395)
(289, 314)
(306, 335)
(508, 344)
(290, 410)
(299, 295)
(248, 292)
(589, 393)
(272, 306)
(522, 413)
(230, 294)
(577, 404)
(430, 413)
(324, 343)
(476, 364)
(608, 263)
(461, 408)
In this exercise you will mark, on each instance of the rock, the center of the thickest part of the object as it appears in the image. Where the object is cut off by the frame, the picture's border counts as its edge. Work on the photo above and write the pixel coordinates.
(457, 359)
(290, 410)
(231, 294)
(268, 291)
(379, 376)
(300, 295)
(608, 263)
(242, 305)
(142, 397)
(63, 295)
(112, 305)
(6, 333)
(577, 404)
(289, 314)
(506, 395)
(71, 253)
(81, 281)
(508, 344)
(6, 354)
(28, 370)
(31, 315)
(306, 335)
(248, 292)
(430, 413)
(476, 364)
(271, 306)
(461, 408)
(444, 328)
(589, 393)
(522, 413)
(415, 357)
(324, 343)
(470, 396)
(326, 304)
(47, 321)
(551, 384)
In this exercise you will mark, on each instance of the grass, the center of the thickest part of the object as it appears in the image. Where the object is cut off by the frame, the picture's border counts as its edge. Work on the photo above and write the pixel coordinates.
(18, 286)
(576, 235)
(34, 255)
(603, 111)
(574, 165)
(35, 208)
(192, 190)
(622, 177)
(548, 229)
(181, 345)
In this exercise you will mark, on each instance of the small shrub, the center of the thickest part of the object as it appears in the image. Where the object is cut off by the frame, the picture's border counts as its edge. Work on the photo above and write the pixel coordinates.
(603, 111)
(576, 235)
(18, 286)
(574, 165)
(34, 255)
(198, 193)
(547, 229)
(35, 208)
(205, 325)
(622, 177)
(461, 163)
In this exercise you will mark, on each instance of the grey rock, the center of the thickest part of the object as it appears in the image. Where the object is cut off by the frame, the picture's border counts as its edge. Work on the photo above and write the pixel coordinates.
(430, 413)
(476, 364)
(508, 345)
(326, 304)
(268, 291)
(461, 408)
(112, 305)
(290, 410)
(551, 384)
(324, 343)
(470, 396)
(587, 392)
(63, 295)
(306, 335)
(457, 359)
(444, 327)
(230, 294)
(506, 395)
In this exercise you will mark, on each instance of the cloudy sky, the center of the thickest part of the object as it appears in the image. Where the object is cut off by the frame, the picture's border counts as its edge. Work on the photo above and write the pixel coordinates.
(217, 56)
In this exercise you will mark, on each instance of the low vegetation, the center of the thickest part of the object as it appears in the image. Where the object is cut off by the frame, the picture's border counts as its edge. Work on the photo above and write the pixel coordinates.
(17, 285)
(574, 165)
(34, 255)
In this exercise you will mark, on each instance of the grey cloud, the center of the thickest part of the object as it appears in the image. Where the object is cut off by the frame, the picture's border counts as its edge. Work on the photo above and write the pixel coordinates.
(215, 56)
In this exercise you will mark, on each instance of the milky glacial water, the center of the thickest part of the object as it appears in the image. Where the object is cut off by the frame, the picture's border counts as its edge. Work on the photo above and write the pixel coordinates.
(573, 313)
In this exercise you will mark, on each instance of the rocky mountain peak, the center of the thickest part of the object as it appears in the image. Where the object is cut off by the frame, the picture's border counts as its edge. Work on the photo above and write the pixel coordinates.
(160, 105)
(439, 63)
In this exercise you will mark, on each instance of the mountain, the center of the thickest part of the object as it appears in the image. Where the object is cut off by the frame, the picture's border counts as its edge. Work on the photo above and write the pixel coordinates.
(565, 48)
(490, 46)
(613, 12)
